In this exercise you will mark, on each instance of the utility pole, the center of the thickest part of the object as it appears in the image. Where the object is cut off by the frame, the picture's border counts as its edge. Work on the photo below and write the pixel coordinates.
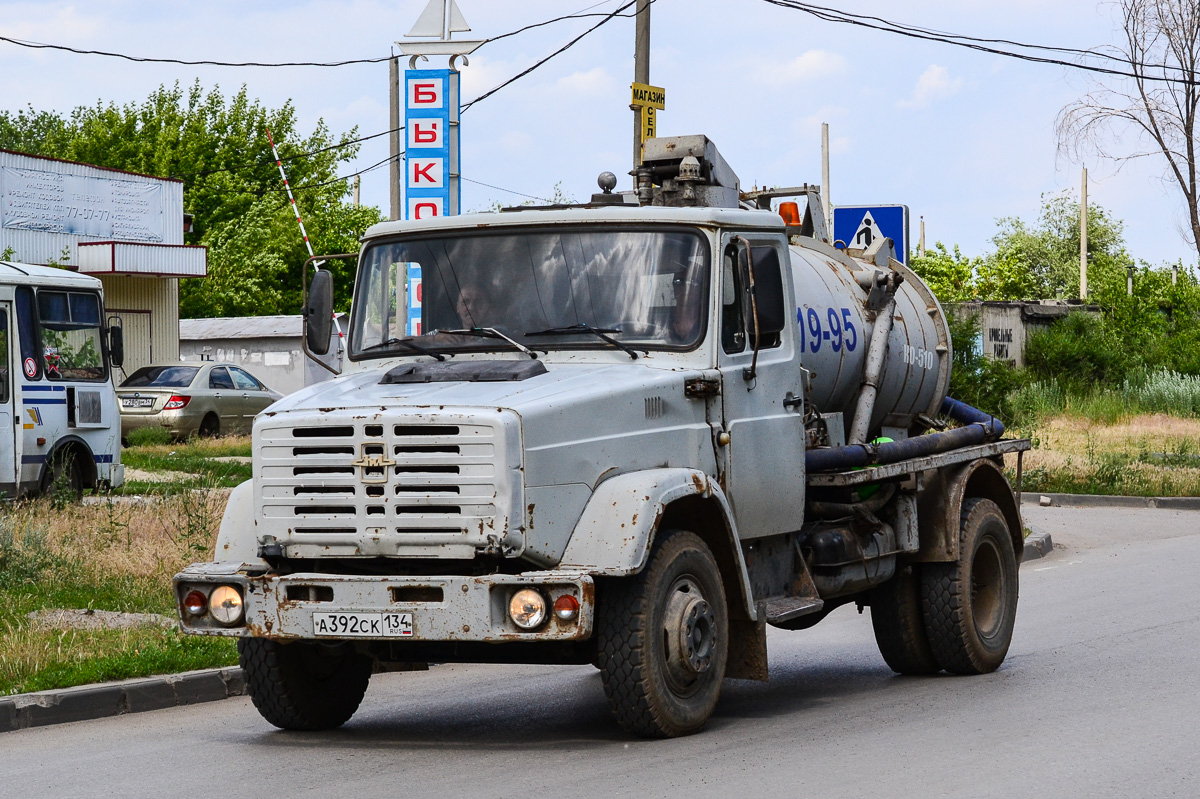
(357, 190)
(394, 136)
(641, 73)
(825, 178)
(921, 244)
(1083, 223)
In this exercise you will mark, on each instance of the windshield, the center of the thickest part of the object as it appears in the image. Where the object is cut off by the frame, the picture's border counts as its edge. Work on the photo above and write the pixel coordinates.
(646, 289)
(71, 335)
(161, 377)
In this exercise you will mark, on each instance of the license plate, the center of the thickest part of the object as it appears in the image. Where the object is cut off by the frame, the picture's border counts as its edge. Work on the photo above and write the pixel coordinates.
(137, 402)
(363, 625)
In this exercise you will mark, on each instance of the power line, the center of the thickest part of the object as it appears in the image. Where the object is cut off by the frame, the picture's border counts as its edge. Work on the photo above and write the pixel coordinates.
(148, 60)
(607, 18)
(510, 191)
(876, 23)
(211, 63)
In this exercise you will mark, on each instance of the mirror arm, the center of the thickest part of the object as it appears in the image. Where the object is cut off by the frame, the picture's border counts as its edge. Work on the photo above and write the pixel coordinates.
(752, 372)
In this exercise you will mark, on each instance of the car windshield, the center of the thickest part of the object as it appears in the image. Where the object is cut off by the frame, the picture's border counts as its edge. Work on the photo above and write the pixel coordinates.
(646, 289)
(161, 377)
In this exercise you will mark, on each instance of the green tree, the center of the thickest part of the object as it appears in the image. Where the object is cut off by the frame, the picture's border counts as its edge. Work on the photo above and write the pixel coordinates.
(218, 147)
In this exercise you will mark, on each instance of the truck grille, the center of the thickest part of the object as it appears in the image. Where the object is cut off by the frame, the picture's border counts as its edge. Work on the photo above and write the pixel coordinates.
(369, 489)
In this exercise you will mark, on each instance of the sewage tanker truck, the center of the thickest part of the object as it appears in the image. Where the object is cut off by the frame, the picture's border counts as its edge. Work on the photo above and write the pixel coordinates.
(634, 433)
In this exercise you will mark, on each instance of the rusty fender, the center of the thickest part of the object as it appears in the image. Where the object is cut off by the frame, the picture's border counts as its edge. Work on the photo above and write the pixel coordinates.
(616, 531)
(939, 506)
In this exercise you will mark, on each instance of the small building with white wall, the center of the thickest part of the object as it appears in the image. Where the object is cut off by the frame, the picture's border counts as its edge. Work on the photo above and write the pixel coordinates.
(125, 228)
(268, 347)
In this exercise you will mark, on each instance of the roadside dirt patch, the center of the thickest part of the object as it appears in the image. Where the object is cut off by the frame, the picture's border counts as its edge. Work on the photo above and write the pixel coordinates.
(86, 619)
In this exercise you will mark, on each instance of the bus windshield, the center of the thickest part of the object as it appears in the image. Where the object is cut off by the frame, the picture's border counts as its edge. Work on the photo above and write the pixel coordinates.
(646, 289)
(71, 335)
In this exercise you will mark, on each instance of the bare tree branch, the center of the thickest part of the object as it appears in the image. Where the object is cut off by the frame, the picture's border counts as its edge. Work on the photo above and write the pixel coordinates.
(1161, 38)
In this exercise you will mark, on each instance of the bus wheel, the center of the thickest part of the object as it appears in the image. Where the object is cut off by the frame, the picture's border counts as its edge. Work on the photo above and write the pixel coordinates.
(63, 474)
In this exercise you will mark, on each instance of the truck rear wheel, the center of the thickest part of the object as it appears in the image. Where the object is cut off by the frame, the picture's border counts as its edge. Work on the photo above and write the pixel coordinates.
(304, 686)
(899, 624)
(971, 605)
(663, 639)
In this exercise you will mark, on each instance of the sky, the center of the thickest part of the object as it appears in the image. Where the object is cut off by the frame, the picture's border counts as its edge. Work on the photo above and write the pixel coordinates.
(960, 137)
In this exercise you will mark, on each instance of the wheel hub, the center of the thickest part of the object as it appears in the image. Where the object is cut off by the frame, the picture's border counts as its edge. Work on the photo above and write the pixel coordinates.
(689, 632)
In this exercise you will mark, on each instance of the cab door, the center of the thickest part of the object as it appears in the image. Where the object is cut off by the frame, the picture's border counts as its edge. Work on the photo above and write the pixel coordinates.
(10, 418)
(761, 403)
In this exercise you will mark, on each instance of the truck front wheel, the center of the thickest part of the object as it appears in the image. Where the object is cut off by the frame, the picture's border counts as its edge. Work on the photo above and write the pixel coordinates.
(971, 605)
(304, 686)
(663, 639)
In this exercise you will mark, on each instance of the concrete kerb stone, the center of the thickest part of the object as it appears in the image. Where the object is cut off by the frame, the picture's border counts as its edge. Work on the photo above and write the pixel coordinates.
(116, 698)
(1098, 501)
(1037, 545)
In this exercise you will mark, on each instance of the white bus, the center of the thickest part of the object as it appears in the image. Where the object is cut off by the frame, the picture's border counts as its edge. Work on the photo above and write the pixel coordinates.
(59, 419)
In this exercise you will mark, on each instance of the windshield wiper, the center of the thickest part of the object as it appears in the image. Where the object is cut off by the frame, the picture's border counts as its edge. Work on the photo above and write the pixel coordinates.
(405, 343)
(489, 332)
(598, 332)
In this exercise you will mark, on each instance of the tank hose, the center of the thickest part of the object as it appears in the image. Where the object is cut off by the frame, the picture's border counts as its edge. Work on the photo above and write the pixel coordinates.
(977, 428)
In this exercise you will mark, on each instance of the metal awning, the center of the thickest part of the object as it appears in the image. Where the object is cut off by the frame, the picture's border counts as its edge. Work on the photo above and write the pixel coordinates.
(146, 260)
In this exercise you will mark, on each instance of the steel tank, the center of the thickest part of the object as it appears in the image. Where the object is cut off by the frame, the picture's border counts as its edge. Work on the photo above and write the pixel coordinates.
(837, 324)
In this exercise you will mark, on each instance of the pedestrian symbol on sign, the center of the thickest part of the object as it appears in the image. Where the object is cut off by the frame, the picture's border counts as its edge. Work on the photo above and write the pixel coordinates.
(866, 233)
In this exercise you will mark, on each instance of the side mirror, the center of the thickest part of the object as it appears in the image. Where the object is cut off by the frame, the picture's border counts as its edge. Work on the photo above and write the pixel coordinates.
(768, 287)
(318, 312)
(116, 344)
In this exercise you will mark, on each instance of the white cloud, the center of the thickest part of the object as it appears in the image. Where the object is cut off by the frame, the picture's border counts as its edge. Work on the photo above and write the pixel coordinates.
(812, 65)
(593, 83)
(934, 84)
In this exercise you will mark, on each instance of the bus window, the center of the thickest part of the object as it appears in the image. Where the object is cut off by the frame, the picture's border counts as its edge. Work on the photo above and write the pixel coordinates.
(72, 345)
(31, 364)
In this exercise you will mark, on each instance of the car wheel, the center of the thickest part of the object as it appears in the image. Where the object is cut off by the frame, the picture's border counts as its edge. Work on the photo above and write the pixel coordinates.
(210, 426)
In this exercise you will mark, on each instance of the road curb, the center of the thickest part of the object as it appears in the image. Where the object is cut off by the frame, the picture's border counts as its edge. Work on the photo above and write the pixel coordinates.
(118, 698)
(1037, 545)
(1098, 501)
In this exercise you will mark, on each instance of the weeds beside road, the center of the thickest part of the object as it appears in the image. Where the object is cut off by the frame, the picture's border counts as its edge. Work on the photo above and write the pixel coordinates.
(113, 553)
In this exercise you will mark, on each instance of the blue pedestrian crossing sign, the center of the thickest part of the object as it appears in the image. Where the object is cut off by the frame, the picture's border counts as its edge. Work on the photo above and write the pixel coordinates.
(855, 227)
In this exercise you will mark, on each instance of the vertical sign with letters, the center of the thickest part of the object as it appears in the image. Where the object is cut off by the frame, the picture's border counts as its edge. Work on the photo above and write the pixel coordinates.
(431, 160)
(431, 153)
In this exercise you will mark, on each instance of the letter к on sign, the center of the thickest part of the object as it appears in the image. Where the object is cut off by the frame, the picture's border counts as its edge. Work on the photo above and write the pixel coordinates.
(431, 172)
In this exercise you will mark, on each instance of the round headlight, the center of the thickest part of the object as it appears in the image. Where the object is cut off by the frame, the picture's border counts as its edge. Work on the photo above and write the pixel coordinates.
(527, 609)
(225, 605)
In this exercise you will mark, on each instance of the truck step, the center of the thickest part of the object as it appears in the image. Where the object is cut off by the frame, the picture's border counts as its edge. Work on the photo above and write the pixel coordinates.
(786, 608)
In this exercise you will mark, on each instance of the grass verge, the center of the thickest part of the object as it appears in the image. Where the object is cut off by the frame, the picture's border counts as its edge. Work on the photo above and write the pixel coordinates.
(191, 464)
(1152, 455)
(116, 555)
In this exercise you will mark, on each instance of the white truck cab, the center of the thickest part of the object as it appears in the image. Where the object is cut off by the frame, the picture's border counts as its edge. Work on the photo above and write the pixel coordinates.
(58, 407)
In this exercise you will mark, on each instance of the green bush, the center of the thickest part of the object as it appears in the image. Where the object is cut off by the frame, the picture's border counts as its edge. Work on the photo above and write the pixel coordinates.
(148, 437)
(1080, 350)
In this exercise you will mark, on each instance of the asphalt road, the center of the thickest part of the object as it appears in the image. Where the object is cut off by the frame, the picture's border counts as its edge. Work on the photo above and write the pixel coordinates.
(1098, 698)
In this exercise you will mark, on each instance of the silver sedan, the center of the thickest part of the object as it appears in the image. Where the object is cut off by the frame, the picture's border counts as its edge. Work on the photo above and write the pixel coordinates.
(205, 399)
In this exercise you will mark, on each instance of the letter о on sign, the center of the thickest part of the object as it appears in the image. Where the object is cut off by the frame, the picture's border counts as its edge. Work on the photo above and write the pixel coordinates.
(426, 93)
(426, 207)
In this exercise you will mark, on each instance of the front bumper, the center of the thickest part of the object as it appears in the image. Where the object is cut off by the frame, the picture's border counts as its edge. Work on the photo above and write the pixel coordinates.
(450, 608)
